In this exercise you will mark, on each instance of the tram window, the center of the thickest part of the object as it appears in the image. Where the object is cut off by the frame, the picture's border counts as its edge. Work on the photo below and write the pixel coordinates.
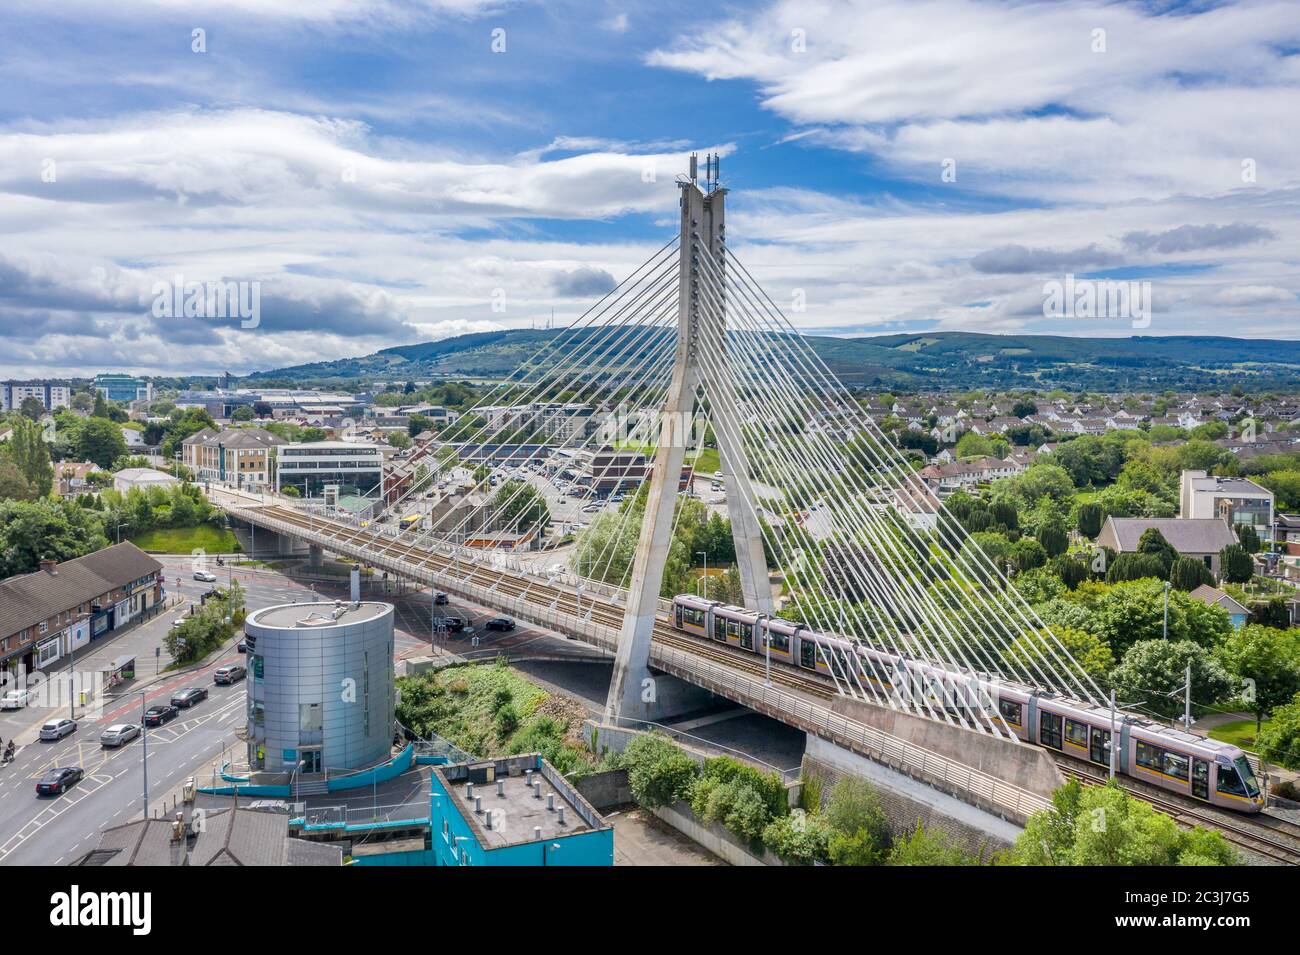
(1049, 729)
(1010, 711)
(679, 615)
(1229, 782)
(1243, 767)
(693, 617)
(1162, 761)
(780, 641)
(1177, 765)
(719, 628)
(808, 654)
(735, 628)
(1077, 733)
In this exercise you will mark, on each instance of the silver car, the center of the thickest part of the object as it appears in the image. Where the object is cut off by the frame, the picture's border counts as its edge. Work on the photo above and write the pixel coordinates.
(57, 729)
(118, 734)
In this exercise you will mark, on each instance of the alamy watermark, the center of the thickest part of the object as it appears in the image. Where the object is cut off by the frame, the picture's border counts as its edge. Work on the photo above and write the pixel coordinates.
(181, 299)
(1098, 298)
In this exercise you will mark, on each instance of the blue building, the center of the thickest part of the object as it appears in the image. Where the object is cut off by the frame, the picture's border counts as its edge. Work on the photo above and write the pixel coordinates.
(124, 388)
(514, 811)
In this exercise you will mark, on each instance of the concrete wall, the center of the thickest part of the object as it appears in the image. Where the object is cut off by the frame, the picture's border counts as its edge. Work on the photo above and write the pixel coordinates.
(1027, 767)
(906, 802)
(605, 790)
(713, 836)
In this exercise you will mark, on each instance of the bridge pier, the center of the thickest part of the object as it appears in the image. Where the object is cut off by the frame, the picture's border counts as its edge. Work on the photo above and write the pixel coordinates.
(315, 556)
(656, 697)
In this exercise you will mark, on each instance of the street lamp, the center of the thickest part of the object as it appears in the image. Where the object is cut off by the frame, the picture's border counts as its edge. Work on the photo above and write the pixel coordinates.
(1166, 624)
(119, 531)
(705, 578)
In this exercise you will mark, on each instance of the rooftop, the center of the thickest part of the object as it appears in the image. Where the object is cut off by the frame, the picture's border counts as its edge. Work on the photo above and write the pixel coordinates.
(319, 614)
(516, 807)
(27, 599)
(1185, 535)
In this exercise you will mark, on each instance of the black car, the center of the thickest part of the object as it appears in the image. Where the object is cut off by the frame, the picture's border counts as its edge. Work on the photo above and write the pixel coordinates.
(159, 713)
(500, 623)
(56, 782)
(453, 624)
(439, 598)
(242, 646)
(230, 673)
(189, 696)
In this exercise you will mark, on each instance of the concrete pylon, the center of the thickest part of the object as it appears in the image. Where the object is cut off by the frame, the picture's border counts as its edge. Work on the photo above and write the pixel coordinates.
(633, 692)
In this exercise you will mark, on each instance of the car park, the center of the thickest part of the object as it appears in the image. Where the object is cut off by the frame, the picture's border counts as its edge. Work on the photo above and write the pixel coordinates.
(57, 729)
(205, 576)
(230, 673)
(119, 734)
(500, 623)
(187, 697)
(55, 782)
(159, 713)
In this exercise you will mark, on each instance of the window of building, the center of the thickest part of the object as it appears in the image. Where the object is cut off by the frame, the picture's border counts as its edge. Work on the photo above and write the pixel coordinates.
(310, 717)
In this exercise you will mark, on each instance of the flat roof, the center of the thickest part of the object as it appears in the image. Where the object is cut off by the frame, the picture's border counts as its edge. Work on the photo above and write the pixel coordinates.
(517, 812)
(306, 616)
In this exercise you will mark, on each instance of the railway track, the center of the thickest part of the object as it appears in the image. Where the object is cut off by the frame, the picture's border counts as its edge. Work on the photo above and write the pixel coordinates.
(1268, 836)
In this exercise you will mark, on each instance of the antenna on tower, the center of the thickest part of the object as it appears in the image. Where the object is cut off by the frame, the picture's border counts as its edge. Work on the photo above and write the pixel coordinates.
(695, 167)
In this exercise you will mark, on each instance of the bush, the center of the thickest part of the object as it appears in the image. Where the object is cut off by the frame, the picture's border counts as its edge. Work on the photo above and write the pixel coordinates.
(1235, 565)
(507, 720)
(923, 847)
(799, 837)
(1188, 573)
(658, 772)
(724, 769)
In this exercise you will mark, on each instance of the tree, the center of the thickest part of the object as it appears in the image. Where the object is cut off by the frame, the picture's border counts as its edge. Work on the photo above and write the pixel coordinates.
(928, 847)
(520, 507)
(658, 772)
(242, 413)
(1188, 573)
(100, 440)
(13, 485)
(1249, 538)
(1125, 613)
(399, 439)
(1154, 672)
(1236, 566)
(1053, 538)
(1280, 741)
(31, 409)
(1071, 571)
(1028, 554)
(30, 454)
(1153, 542)
(1089, 520)
(859, 829)
(1104, 825)
(1135, 567)
(1266, 663)
(33, 530)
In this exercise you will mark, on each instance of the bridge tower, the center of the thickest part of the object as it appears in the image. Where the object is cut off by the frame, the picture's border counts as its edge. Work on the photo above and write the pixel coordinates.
(701, 330)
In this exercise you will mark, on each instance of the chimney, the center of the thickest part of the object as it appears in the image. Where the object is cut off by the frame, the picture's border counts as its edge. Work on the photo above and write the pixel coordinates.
(50, 566)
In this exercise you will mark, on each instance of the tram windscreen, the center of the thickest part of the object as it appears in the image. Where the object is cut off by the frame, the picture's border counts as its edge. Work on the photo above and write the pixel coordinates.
(1247, 775)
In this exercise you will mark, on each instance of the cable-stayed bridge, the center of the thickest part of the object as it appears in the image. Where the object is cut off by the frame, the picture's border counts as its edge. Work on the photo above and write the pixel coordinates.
(854, 591)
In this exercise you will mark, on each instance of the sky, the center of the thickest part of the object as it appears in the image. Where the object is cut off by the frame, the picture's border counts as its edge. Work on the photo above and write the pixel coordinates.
(384, 172)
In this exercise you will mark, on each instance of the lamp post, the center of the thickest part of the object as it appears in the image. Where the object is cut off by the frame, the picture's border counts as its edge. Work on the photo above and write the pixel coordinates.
(705, 578)
(119, 531)
(1166, 623)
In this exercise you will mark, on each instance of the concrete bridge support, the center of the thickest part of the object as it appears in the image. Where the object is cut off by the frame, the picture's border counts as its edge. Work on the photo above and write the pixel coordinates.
(315, 556)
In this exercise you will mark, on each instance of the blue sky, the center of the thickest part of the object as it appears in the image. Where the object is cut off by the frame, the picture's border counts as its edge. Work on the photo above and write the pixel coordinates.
(381, 172)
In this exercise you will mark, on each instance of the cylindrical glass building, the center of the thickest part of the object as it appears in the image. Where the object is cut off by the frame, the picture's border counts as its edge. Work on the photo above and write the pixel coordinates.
(320, 690)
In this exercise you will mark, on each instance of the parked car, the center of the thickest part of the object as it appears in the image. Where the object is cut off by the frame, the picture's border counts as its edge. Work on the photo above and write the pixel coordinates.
(119, 734)
(230, 673)
(454, 624)
(205, 576)
(55, 782)
(592, 508)
(159, 713)
(439, 598)
(17, 699)
(242, 646)
(184, 699)
(57, 729)
(715, 486)
(500, 623)
(178, 621)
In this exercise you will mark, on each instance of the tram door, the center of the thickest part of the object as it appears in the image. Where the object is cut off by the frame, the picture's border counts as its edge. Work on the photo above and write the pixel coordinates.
(1099, 747)
(1200, 778)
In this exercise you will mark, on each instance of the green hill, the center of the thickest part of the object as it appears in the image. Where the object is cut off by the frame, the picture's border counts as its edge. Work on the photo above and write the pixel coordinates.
(933, 360)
